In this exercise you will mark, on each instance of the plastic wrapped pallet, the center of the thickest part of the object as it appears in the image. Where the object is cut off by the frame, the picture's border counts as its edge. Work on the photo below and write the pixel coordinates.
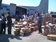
(51, 37)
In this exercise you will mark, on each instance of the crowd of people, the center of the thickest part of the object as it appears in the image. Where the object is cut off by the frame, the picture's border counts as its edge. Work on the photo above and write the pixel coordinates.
(37, 18)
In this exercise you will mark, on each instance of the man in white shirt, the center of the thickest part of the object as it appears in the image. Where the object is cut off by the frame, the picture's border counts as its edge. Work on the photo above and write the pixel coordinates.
(25, 17)
(3, 24)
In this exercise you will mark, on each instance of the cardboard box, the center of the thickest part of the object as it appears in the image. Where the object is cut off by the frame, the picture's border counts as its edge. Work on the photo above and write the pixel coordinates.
(43, 26)
(51, 37)
(46, 32)
(32, 29)
(20, 26)
(21, 34)
(16, 32)
(27, 31)
(36, 27)
(54, 20)
(46, 18)
(15, 25)
(17, 29)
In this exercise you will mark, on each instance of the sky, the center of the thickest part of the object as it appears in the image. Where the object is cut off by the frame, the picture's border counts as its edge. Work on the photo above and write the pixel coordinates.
(51, 5)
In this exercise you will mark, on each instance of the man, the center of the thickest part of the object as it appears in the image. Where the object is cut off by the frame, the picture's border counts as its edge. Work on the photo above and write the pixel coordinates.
(39, 23)
(9, 23)
(31, 16)
(24, 16)
(3, 24)
(16, 17)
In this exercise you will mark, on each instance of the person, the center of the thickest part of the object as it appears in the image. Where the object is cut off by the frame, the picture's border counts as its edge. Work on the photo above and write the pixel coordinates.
(39, 22)
(35, 19)
(31, 16)
(21, 15)
(9, 23)
(16, 17)
(3, 24)
(25, 17)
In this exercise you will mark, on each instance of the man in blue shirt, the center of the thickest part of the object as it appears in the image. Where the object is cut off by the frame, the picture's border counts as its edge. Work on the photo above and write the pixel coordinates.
(39, 23)
(9, 23)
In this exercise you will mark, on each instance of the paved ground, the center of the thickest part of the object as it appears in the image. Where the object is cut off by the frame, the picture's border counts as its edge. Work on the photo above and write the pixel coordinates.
(33, 37)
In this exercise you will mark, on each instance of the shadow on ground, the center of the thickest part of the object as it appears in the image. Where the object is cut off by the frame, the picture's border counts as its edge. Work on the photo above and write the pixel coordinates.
(27, 35)
(5, 38)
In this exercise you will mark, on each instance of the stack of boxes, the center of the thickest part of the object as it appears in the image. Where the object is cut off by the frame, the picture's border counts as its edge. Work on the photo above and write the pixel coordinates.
(24, 27)
(46, 18)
